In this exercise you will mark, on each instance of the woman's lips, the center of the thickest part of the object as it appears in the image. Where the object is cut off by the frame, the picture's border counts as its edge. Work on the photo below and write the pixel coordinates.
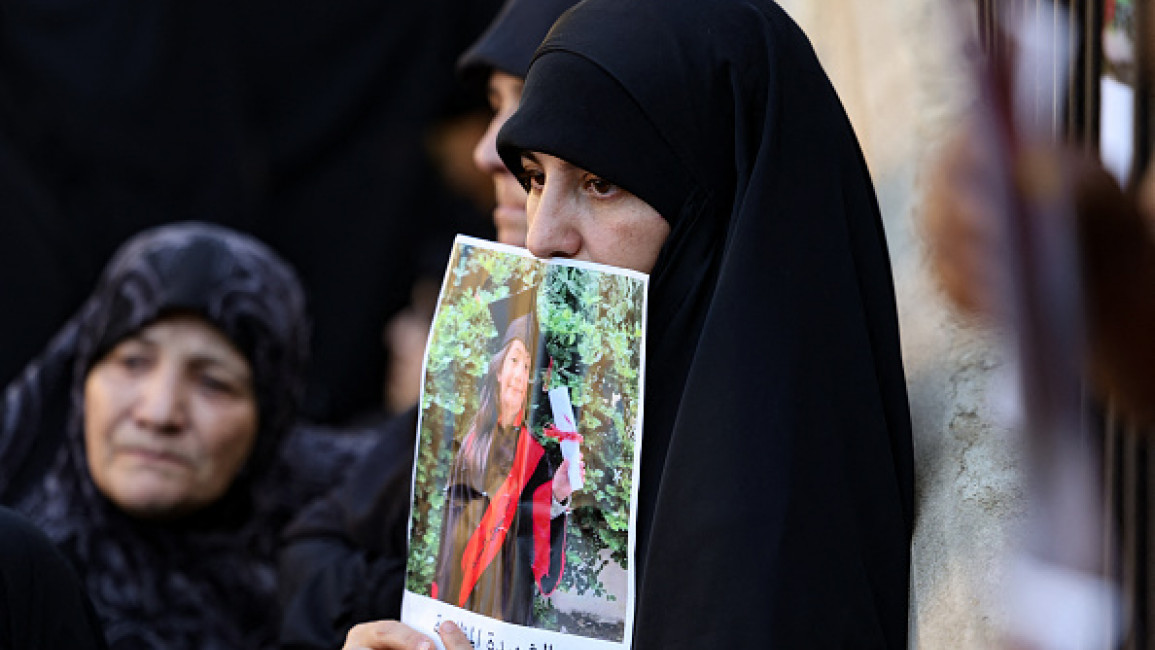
(154, 455)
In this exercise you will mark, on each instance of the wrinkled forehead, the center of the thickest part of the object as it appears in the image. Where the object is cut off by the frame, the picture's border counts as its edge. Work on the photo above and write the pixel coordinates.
(191, 339)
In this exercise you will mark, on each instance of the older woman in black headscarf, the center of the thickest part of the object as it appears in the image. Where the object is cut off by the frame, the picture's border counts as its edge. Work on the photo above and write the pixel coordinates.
(148, 441)
(702, 142)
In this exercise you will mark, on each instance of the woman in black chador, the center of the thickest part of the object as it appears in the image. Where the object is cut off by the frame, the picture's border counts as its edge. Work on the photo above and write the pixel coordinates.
(503, 535)
(776, 482)
(701, 142)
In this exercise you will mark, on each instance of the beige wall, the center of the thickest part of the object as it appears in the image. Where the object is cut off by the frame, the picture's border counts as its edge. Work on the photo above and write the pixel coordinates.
(894, 64)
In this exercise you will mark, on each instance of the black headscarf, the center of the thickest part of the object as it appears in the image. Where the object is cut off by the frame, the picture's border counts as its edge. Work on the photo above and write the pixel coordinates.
(206, 581)
(510, 40)
(776, 495)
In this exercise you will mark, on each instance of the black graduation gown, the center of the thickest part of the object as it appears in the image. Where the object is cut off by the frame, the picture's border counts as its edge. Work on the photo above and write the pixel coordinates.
(505, 588)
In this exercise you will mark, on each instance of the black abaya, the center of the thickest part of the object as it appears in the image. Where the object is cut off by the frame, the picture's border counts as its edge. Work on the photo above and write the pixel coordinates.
(510, 40)
(776, 494)
(43, 605)
(344, 557)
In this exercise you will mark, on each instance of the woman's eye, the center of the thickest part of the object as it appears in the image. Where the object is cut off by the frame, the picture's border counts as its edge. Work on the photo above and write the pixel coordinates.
(532, 179)
(532, 176)
(600, 186)
(214, 385)
(134, 362)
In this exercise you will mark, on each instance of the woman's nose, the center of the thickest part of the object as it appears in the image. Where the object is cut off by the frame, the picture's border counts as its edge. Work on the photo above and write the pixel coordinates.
(160, 405)
(553, 226)
(485, 153)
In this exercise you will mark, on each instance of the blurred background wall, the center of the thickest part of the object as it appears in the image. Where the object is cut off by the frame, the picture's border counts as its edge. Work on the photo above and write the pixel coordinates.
(902, 70)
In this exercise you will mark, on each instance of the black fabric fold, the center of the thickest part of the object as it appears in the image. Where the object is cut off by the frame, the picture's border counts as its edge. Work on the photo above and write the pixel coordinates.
(776, 495)
(43, 604)
(510, 40)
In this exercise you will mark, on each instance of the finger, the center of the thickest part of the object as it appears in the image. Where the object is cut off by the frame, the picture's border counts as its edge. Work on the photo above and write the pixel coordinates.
(386, 635)
(453, 637)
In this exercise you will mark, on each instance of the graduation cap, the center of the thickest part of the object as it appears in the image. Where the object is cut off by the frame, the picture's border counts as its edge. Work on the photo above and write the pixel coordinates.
(515, 317)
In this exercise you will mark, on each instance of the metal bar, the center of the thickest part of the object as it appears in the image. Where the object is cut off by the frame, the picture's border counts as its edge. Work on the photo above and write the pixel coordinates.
(1092, 93)
(1129, 551)
(1145, 69)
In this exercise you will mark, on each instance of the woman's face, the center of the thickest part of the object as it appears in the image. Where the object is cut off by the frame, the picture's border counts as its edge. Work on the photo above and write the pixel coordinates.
(509, 214)
(170, 418)
(513, 382)
(578, 215)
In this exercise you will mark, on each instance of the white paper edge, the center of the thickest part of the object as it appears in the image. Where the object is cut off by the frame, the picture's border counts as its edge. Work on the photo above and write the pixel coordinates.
(559, 261)
(424, 614)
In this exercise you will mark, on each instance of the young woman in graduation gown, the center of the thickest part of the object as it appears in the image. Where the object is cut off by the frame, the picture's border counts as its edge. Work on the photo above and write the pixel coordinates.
(503, 535)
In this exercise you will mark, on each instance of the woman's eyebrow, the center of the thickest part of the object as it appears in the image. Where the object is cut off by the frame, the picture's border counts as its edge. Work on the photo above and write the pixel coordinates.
(140, 338)
(208, 359)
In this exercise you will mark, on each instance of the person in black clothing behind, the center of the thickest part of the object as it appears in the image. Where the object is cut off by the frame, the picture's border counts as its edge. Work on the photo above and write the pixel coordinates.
(704, 144)
(301, 123)
(500, 59)
(43, 605)
(344, 557)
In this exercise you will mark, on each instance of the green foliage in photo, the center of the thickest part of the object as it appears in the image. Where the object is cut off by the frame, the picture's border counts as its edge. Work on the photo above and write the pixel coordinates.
(591, 324)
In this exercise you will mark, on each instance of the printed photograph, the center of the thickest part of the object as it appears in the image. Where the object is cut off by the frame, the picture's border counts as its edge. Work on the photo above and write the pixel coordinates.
(530, 414)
